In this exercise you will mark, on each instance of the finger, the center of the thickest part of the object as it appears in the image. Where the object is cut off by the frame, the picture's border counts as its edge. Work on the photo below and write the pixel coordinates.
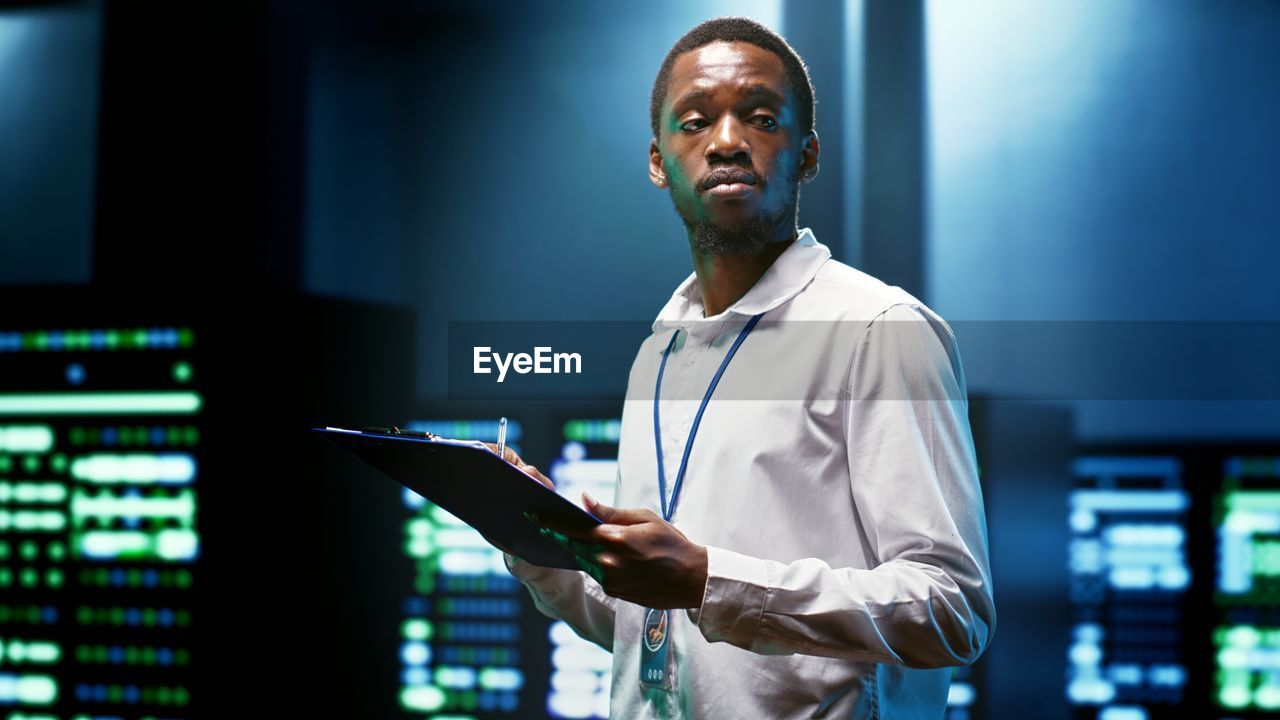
(536, 474)
(591, 569)
(507, 454)
(618, 516)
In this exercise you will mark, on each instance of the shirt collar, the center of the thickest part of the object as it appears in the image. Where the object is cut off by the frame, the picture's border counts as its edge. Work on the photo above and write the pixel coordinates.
(789, 274)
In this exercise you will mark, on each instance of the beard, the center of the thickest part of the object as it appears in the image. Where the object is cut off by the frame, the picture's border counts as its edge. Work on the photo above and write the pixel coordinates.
(744, 238)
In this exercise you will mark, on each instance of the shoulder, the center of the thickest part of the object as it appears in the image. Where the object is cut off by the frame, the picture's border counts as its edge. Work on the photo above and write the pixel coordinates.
(886, 322)
(841, 292)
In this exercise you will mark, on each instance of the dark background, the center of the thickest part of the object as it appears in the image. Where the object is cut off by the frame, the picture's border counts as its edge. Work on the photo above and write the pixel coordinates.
(324, 188)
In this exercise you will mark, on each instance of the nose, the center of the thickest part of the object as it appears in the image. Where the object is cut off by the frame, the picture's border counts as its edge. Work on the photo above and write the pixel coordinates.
(728, 142)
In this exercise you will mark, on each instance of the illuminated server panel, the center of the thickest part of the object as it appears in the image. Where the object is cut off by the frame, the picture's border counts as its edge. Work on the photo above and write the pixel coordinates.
(100, 436)
(460, 646)
(1129, 581)
(1246, 638)
(580, 670)
(470, 637)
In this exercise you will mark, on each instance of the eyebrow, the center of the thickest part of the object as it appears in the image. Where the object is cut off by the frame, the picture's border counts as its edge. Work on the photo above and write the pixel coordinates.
(757, 90)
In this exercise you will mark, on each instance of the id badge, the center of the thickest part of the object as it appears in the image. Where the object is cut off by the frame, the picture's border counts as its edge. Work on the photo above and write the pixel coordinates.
(653, 650)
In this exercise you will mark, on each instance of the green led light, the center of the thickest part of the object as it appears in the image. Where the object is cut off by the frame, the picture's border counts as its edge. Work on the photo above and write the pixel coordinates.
(6, 577)
(75, 403)
(31, 464)
(1263, 501)
(186, 338)
(36, 690)
(28, 550)
(182, 372)
(424, 698)
(29, 577)
(26, 438)
(417, 629)
(6, 463)
(593, 430)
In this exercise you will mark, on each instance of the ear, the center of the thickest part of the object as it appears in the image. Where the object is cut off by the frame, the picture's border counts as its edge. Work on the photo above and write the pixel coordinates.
(809, 157)
(657, 175)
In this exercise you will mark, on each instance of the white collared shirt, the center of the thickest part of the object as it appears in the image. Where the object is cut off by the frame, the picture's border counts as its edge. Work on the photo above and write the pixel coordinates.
(834, 483)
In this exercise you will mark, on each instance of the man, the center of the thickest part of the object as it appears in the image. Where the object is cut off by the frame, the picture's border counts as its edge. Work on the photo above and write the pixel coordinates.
(821, 550)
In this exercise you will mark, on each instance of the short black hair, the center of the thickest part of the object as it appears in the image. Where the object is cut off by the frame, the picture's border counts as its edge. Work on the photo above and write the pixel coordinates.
(737, 29)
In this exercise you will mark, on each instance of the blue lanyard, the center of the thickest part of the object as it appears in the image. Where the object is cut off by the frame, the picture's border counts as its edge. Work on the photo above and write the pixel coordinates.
(668, 511)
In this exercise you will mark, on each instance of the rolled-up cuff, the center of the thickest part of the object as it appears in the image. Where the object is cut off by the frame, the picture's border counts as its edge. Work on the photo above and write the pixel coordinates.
(733, 600)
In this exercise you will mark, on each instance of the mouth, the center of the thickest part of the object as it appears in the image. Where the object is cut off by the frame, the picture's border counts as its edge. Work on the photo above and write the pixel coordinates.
(727, 183)
(730, 190)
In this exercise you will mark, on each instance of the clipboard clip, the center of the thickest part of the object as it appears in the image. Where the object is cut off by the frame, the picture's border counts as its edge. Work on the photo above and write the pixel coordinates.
(394, 430)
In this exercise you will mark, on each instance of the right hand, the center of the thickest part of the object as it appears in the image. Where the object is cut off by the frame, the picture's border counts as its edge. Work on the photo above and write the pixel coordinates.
(533, 472)
(510, 456)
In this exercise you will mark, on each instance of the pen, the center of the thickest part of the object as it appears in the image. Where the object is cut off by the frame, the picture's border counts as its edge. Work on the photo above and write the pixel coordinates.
(502, 438)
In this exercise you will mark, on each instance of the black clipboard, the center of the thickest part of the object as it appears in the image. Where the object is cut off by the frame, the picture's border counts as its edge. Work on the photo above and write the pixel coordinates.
(474, 484)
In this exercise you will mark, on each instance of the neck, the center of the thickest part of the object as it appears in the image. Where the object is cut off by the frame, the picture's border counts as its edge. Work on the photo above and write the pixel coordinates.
(723, 279)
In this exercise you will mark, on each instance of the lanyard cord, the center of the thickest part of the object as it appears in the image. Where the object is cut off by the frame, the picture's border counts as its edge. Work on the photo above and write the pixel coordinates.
(669, 511)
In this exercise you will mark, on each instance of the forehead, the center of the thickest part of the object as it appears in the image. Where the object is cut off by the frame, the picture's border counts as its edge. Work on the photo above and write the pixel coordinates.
(726, 66)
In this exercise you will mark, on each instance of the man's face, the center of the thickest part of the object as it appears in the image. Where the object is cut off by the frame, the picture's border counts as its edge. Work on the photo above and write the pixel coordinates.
(730, 147)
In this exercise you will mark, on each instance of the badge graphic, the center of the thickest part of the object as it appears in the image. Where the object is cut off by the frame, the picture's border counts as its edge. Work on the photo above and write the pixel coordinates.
(655, 629)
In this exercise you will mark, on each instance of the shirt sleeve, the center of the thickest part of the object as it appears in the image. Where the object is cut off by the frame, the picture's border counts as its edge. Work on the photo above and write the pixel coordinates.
(914, 479)
(568, 595)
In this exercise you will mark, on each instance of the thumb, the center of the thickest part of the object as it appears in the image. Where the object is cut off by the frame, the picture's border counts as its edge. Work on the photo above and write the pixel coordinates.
(616, 516)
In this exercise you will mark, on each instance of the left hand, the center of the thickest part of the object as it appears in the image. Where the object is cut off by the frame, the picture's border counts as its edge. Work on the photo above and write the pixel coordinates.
(637, 556)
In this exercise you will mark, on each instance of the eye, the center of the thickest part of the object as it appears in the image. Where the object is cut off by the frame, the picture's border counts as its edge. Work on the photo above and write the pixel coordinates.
(693, 125)
(764, 121)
